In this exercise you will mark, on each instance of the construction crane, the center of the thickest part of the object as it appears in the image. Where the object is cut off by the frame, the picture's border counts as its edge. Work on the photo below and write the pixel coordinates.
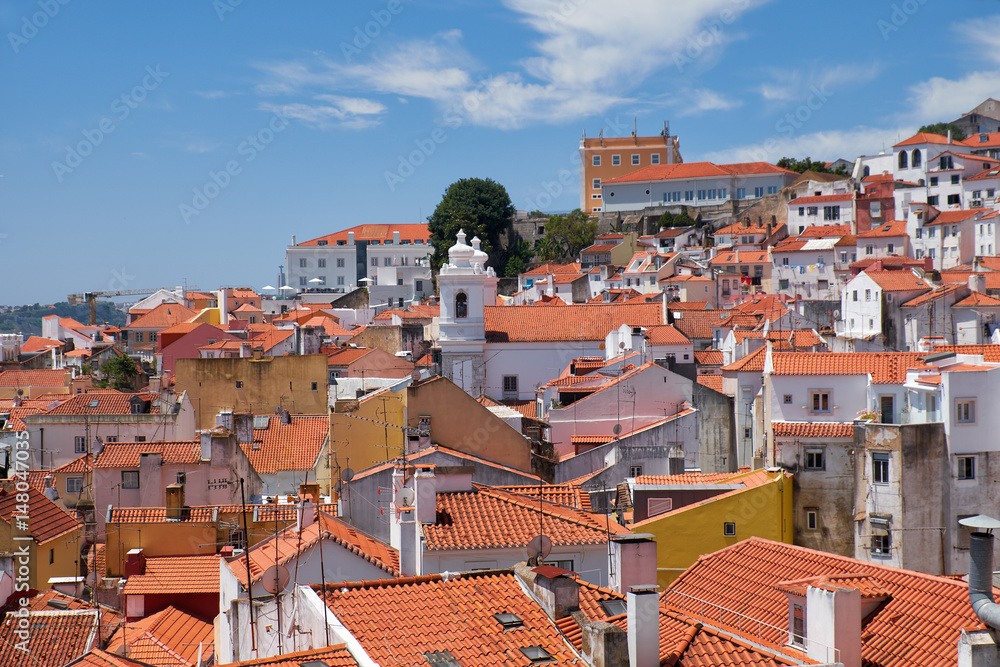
(91, 297)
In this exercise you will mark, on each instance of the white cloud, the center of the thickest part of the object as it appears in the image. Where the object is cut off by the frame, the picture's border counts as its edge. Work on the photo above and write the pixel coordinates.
(702, 100)
(332, 111)
(795, 85)
(212, 94)
(822, 145)
(943, 100)
(580, 65)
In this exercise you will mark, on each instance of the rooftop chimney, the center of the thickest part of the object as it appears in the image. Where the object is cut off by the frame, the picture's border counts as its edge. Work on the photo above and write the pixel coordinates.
(643, 613)
(135, 563)
(408, 532)
(634, 559)
(175, 501)
(310, 490)
(977, 282)
(243, 423)
(556, 591)
(305, 515)
(225, 418)
(833, 625)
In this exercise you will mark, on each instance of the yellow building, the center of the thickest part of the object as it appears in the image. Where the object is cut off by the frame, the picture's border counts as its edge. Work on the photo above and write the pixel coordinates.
(56, 537)
(695, 514)
(367, 431)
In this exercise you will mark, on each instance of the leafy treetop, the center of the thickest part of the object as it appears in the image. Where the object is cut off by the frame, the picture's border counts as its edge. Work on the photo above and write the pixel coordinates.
(479, 206)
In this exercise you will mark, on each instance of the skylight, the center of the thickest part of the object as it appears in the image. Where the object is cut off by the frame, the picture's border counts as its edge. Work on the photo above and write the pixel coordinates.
(509, 620)
(613, 607)
(441, 659)
(535, 653)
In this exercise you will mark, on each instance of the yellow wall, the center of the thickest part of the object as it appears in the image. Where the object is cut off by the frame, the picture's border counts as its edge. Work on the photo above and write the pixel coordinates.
(208, 316)
(266, 383)
(683, 535)
(65, 552)
(622, 253)
(359, 444)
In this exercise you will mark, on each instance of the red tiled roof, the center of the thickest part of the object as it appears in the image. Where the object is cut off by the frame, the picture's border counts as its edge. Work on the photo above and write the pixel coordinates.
(555, 269)
(163, 316)
(892, 229)
(898, 281)
(753, 362)
(55, 637)
(409, 232)
(812, 429)
(107, 403)
(47, 520)
(888, 261)
(577, 322)
(662, 172)
(687, 479)
(39, 344)
(739, 228)
(176, 575)
(571, 495)
(488, 518)
(923, 138)
(127, 454)
(331, 656)
(666, 334)
(34, 378)
(698, 324)
(204, 514)
(99, 658)
(168, 637)
(822, 231)
(708, 357)
(977, 299)
(933, 295)
(711, 381)
(884, 367)
(431, 613)
(51, 600)
(15, 419)
(918, 623)
(740, 257)
(822, 199)
(292, 446)
(954, 216)
(346, 356)
(435, 449)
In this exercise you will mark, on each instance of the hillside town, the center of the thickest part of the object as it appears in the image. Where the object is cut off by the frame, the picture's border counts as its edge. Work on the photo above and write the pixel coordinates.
(722, 414)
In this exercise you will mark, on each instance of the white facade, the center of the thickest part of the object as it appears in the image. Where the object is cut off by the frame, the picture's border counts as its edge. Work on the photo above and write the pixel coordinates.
(697, 191)
(815, 211)
(861, 308)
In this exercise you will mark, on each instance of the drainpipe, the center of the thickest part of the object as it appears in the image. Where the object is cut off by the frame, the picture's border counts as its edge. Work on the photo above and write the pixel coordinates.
(981, 569)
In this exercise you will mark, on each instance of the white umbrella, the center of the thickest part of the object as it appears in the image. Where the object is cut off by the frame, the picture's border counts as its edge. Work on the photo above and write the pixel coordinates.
(317, 281)
(267, 287)
(284, 287)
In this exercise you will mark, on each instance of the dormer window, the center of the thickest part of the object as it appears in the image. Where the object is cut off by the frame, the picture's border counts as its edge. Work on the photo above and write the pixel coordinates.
(461, 305)
(797, 624)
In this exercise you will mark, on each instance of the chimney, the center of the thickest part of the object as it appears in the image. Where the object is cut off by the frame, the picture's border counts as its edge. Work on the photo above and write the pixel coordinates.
(243, 423)
(305, 515)
(286, 417)
(293, 239)
(949, 136)
(408, 532)
(643, 613)
(425, 487)
(350, 238)
(206, 445)
(135, 563)
(395, 238)
(556, 591)
(310, 490)
(977, 282)
(833, 625)
(225, 419)
(981, 569)
(175, 501)
(634, 559)
(928, 264)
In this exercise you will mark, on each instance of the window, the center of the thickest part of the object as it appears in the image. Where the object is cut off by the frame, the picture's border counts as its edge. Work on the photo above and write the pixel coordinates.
(855, 295)
(965, 411)
(596, 160)
(322, 280)
(758, 192)
(596, 196)
(374, 261)
(596, 185)
(689, 195)
(635, 471)
(920, 233)
(315, 386)
(915, 161)
(820, 401)
(418, 285)
(875, 209)
(461, 305)
(802, 211)
(302, 281)
(711, 193)
(954, 200)
(387, 261)
(933, 200)
(140, 438)
(741, 193)
(880, 467)
(812, 519)
(654, 158)
(616, 160)
(239, 384)
(130, 479)
(798, 625)
(80, 444)
(182, 478)
(784, 261)
(321, 263)
(881, 544)
(989, 193)
(74, 485)
(934, 181)
(729, 529)
(787, 399)
(812, 210)
(782, 283)
(815, 458)
(890, 248)
(868, 295)
(340, 262)
(955, 179)
(702, 194)
(52, 556)
(303, 263)
(635, 159)
(340, 280)
(772, 189)
(904, 161)
(869, 249)
(966, 467)
(831, 213)
(510, 387)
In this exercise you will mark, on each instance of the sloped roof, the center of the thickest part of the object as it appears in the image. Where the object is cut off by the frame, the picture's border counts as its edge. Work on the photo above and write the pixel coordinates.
(39, 344)
(923, 138)
(166, 575)
(711, 357)
(713, 382)
(740, 257)
(898, 281)
(432, 613)
(666, 334)
(884, 367)
(977, 299)
(571, 495)
(753, 362)
(163, 316)
(933, 295)
(55, 637)
(168, 637)
(102, 403)
(889, 229)
(918, 624)
(47, 520)
(822, 199)
(698, 324)
(555, 269)
(488, 518)
(331, 656)
(576, 322)
(98, 658)
(292, 446)
(34, 378)
(369, 232)
(812, 429)
(128, 454)
(956, 215)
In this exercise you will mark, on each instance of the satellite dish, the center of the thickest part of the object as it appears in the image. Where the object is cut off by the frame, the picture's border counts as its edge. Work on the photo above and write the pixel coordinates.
(347, 475)
(20, 392)
(275, 579)
(539, 547)
(338, 486)
(621, 345)
(415, 375)
(407, 496)
(617, 429)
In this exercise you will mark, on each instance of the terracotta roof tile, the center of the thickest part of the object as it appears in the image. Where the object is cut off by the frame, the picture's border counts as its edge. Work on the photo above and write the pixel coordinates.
(990, 353)
(666, 334)
(590, 322)
(128, 454)
(204, 514)
(55, 638)
(176, 574)
(488, 518)
(923, 138)
(740, 257)
(759, 227)
(34, 378)
(99, 658)
(408, 232)
(545, 269)
(687, 479)
(52, 600)
(933, 295)
(434, 449)
(698, 324)
(977, 299)
(953, 216)
(331, 656)
(168, 637)
(292, 446)
(163, 316)
(898, 281)
(427, 614)
(104, 403)
(711, 381)
(812, 429)
(47, 520)
(918, 624)
(751, 363)
(571, 495)
(884, 367)
(39, 344)
(822, 199)
(708, 357)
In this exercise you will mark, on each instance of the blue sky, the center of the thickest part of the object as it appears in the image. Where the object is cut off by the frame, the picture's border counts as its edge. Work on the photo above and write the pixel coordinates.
(154, 144)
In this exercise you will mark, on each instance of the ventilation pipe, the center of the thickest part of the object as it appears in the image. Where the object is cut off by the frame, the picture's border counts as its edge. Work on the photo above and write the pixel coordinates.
(981, 569)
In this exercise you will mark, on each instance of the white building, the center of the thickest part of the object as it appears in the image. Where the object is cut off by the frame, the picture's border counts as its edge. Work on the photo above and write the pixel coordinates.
(833, 209)
(947, 237)
(870, 304)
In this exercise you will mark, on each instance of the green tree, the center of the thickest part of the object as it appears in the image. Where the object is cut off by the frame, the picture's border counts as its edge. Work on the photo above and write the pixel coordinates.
(481, 207)
(668, 219)
(957, 133)
(121, 370)
(808, 164)
(518, 257)
(566, 235)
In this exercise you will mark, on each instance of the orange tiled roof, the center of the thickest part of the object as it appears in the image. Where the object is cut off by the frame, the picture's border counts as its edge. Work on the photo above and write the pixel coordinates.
(812, 429)
(431, 613)
(176, 575)
(740, 257)
(753, 362)
(346, 356)
(990, 353)
(51, 600)
(47, 520)
(822, 199)
(434, 449)
(697, 324)
(711, 381)
(577, 322)
(977, 299)
(571, 495)
(34, 378)
(377, 233)
(933, 295)
(555, 269)
(99, 658)
(107, 403)
(127, 454)
(39, 344)
(163, 316)
(286, 545)
(331, 656)
(708, 357)
(918, 623)
(959, 215)
(737, 228)
(666, 334)
(893, 229)
(204, 514)
(55, 637)
(488, 518)
(923, 138)
(884, 367)
(898, 281)
(15, 418)
(168, 637)
(687, 479)
(292, 446)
